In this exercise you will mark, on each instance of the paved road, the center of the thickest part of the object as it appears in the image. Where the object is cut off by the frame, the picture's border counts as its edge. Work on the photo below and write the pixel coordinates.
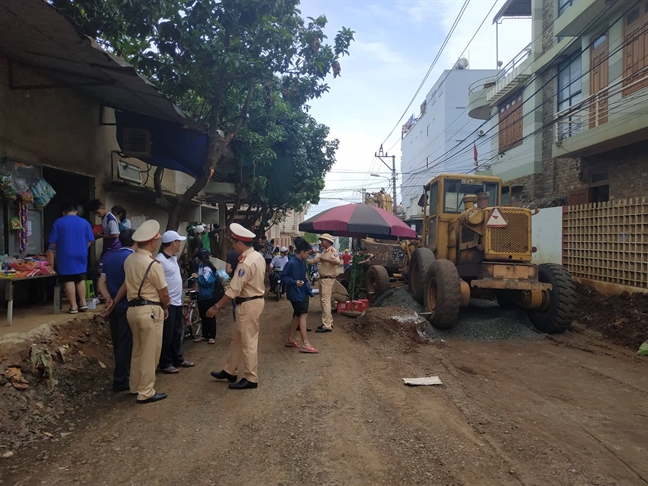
(570, 411)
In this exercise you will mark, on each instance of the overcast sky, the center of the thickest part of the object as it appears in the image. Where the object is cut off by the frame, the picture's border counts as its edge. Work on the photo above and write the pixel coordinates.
(395, 44)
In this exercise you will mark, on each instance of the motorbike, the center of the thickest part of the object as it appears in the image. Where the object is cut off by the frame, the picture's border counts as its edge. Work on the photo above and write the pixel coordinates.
(278, 286)
(313, 274)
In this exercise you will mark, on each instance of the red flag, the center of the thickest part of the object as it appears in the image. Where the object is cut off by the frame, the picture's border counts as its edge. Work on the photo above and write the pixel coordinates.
(475, 153)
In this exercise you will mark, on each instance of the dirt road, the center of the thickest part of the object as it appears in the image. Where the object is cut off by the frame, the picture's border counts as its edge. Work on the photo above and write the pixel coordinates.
(564, 411)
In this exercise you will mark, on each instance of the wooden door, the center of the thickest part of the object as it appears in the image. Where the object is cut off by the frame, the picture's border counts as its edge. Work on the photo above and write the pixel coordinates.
(635, 50)
(578, 197)
(599, 81)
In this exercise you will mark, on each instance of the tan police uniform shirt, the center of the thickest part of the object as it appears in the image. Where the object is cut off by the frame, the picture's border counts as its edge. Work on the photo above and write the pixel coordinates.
(248, 280)
(135, 267)
(328, 261)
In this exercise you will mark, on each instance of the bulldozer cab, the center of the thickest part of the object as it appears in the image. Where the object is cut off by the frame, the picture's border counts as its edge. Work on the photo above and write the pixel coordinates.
(444, 202)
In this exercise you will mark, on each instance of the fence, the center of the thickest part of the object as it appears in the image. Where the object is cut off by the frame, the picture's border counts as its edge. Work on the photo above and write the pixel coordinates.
(608, 241)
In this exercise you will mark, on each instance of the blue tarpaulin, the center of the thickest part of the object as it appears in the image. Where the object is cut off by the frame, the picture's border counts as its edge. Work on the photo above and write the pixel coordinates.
(172, 146)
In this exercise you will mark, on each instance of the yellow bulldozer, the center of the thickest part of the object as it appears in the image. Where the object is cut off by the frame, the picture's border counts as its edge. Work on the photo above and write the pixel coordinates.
(474, 247)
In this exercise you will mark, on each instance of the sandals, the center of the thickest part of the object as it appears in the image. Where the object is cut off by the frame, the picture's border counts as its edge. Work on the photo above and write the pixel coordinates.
(186, 364)
(73, 311)
(292, 344)
(199, 339)
(308, 350)
(171, 370)
(83, 308)
(211, 341)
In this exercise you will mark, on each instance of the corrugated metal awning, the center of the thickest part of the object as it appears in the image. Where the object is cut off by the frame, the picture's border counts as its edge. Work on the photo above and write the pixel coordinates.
(35, 34)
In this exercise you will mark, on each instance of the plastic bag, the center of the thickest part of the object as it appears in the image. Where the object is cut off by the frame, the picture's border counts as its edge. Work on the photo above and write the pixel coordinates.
(43, 192)
(643, 349)
(222, 275)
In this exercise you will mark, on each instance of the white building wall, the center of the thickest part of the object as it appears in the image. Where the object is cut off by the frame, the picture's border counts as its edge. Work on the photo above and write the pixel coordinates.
(439, 129)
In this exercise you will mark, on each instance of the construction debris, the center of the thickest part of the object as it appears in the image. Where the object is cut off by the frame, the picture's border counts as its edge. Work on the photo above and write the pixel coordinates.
(15, 377)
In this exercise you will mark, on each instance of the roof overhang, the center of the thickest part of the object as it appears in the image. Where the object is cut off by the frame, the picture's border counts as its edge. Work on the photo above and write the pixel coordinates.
(514, 9)
(35, 34)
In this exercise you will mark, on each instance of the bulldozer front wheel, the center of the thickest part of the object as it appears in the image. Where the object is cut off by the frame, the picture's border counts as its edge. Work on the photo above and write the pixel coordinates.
(418, 271)
(557, 314)
(443, 294)
(376, 281)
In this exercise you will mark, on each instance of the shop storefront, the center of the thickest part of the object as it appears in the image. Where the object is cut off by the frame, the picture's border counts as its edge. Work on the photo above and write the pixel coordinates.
(31, 198)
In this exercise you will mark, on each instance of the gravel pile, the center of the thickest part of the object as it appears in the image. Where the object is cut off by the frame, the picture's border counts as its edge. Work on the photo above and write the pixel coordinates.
(483, 320)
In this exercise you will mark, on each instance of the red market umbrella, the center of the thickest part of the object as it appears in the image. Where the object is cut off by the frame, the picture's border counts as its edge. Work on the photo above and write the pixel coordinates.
(358, 220)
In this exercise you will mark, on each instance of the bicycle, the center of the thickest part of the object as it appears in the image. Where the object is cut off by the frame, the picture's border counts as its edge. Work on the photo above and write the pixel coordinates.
(191, 316)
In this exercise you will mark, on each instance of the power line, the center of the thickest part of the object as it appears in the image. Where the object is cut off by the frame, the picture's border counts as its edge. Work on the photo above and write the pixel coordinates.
(427, 75)
(525, 101)
(429, 71)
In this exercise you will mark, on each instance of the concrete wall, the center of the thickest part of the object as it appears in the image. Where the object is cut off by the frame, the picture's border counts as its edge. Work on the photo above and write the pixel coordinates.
(443, 125)
(60, 128)
(546, 230)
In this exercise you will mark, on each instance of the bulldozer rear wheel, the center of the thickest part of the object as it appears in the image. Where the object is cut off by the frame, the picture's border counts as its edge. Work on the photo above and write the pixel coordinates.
(558, 314)
(376, 281)
(418, 271)
(443, 294)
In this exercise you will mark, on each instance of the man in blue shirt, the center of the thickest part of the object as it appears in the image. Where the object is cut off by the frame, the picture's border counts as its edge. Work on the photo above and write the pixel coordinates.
(111, 279)
(70, 238)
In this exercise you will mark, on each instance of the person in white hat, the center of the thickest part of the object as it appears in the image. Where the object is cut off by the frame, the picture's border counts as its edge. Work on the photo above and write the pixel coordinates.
(328, 262)
(171, 355)
(277, 264)
(148, 301)
(246, 289)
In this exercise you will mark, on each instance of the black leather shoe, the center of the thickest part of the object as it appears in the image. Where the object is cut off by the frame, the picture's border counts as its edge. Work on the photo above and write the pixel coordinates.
(323, 329)
(224, 375)
(243, 385)
(119, 389)
(155, 398)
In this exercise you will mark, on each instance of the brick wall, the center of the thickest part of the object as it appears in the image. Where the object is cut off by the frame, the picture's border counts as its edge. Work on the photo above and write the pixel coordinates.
(547, 24)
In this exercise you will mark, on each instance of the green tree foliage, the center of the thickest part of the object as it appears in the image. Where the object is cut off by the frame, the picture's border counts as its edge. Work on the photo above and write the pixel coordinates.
(216, 59)
(311, 237)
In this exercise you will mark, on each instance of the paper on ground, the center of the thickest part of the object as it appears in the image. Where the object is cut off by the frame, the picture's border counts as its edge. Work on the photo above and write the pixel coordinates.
(430, 380)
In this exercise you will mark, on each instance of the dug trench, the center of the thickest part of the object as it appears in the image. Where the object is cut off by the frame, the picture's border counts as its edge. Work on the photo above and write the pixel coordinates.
(570, 410)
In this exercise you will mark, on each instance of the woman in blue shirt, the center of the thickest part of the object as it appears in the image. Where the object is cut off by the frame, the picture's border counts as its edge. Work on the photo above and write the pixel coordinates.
(71, 237)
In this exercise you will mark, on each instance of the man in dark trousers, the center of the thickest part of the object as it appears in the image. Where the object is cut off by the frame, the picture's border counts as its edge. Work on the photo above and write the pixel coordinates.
(111, 279)
(171, 355)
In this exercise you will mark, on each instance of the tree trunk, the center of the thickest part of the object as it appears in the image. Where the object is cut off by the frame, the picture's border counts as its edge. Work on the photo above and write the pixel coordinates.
(175, 217)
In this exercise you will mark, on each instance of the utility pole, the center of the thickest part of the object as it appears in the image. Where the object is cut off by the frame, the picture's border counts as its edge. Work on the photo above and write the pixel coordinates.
(384, 155)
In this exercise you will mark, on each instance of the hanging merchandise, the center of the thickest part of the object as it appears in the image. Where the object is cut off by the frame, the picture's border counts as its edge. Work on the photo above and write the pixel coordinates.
(14, 223)
(43, 192)
(23, 214)
(6, 185)
(26, 196)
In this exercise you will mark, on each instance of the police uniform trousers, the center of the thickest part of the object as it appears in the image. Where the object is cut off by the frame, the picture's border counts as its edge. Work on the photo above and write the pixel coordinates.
(245, 340)
(326, 293)
(146, 323)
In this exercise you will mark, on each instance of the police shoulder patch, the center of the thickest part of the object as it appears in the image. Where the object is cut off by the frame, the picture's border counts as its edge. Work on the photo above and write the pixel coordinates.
(241, 272)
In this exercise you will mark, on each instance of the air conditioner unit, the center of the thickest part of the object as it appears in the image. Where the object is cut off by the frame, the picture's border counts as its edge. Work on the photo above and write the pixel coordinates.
(137, 142)
(129, 172)
(481, 133)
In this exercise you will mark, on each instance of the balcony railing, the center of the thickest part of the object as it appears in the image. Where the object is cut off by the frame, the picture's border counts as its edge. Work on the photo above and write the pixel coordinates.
(515, 62)
(597, 108)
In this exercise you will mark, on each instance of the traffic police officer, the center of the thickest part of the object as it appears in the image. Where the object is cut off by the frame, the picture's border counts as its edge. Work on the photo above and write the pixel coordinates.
(246, 289)
(148, 301)
(328, 260)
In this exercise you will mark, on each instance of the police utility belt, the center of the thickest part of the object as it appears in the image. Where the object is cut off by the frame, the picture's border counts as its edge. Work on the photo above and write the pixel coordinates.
(326, 276)
(139, 301)
(242, 300)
